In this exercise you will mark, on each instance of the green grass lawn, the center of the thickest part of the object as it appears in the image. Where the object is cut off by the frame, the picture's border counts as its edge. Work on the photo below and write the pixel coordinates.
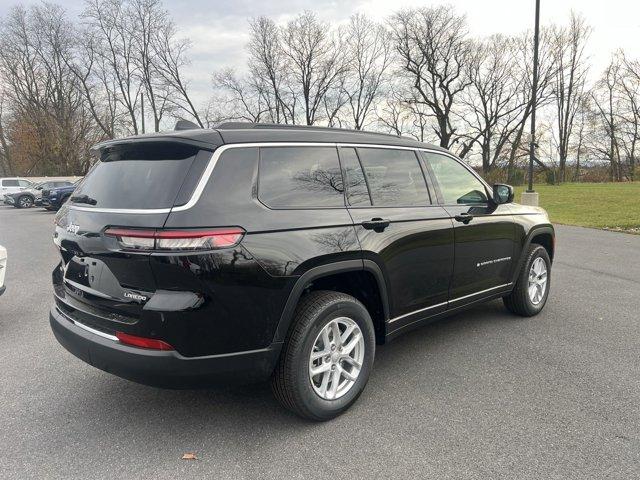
(614, 206)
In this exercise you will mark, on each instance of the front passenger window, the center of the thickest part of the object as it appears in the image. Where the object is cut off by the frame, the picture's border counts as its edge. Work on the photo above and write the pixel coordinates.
(457, 185)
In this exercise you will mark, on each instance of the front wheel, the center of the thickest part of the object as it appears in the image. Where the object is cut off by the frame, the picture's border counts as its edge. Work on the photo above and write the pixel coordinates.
(327, 357)
(532, 287)
(24, 202)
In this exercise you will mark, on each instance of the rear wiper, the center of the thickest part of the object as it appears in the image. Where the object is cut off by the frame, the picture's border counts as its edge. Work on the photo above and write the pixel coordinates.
(84, 199)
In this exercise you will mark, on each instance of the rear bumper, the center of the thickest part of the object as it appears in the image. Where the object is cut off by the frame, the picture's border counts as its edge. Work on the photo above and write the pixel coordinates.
(162, 368)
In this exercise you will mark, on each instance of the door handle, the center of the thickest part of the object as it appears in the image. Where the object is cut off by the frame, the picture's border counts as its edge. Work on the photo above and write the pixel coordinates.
(376, 224)
(464, 217)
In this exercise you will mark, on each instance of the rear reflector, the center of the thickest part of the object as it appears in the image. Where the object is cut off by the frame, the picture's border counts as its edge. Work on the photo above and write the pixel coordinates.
(150, 343)
(166, 240)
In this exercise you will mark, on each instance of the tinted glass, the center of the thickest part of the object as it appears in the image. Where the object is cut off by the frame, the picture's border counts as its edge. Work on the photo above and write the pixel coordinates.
(300, 177)
(137, 176)
(9, 183)
(394, 177)
(457, 184)
(357, 193)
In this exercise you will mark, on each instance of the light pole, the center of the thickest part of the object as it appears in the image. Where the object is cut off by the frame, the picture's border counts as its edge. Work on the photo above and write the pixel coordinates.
(530, 197)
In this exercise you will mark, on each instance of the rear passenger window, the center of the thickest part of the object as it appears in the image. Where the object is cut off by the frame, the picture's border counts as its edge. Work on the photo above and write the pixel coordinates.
(300, 177)
(10, 183)
(357, 193)
(394, 177)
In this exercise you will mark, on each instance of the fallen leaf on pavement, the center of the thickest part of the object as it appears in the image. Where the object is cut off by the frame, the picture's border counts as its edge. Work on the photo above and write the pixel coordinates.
(189, 456)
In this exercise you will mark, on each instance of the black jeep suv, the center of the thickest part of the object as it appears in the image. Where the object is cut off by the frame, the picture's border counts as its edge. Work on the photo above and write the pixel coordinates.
(254, 251)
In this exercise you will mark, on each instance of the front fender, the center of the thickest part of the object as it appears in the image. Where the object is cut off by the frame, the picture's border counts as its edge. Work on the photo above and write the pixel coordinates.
(533, 232)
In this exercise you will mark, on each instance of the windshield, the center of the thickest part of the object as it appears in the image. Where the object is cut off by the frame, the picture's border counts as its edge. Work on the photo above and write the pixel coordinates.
(136, 176)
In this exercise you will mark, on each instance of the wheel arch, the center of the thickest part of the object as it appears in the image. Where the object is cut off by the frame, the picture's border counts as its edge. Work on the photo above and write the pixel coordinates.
(321, 277)
(542, 235)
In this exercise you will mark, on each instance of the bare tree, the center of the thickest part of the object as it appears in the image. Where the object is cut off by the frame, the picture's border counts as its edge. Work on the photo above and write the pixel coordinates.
(493, 104)
(546, 74)
(241, 99)
(630, 91)
(616, 98)
(49, 127)
(606, 102)
(170, 59)
(569, 83)
(315, 62)
(112, 27)
(432, 46)
(6, 165)
(145, 19)
(369, 62)
(268, 69)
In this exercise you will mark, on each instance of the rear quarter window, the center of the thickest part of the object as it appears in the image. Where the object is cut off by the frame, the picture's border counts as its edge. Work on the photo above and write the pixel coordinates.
(300, 177)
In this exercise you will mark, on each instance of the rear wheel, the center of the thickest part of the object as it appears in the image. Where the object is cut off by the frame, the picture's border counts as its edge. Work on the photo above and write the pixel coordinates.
(532, 287)
(25, 201)
(327, 357)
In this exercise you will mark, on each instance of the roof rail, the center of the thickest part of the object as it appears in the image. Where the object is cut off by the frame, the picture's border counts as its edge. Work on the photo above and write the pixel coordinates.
(288, 126)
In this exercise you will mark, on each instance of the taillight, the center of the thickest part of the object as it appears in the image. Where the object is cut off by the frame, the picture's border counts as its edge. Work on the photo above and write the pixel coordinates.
(133, 239)
(184, 240)
(142, 342)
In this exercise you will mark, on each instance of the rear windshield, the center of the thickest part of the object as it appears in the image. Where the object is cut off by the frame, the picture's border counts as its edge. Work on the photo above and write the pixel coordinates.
(138, 176)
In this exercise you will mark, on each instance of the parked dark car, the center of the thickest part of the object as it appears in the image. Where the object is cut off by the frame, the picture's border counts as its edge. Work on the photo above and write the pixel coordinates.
(53, 199)
(254, 251)
(33, 196)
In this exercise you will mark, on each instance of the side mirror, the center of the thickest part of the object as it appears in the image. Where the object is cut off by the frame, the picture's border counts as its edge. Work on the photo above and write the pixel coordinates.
(502, 193)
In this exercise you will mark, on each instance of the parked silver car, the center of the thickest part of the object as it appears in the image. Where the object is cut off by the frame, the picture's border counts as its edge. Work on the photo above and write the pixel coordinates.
(11, 185)
(32, 196)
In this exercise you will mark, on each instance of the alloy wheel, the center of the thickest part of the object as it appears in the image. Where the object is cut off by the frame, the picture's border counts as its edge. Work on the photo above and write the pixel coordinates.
(537, 280)
(336, 358)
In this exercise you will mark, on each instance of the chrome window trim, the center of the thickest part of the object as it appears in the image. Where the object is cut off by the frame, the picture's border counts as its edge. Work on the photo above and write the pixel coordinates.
(450, 301)
(146, 211)
(206, 175)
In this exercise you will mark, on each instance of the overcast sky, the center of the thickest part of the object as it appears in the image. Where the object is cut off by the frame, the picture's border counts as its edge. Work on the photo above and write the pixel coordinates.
(218, 28)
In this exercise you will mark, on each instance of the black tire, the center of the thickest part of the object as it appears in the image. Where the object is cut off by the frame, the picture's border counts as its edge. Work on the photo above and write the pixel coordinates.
(518, 301)
(25, 201)
(290, 381)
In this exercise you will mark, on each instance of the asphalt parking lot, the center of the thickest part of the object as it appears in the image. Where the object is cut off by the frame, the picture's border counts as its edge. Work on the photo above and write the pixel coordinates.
(479, 395)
